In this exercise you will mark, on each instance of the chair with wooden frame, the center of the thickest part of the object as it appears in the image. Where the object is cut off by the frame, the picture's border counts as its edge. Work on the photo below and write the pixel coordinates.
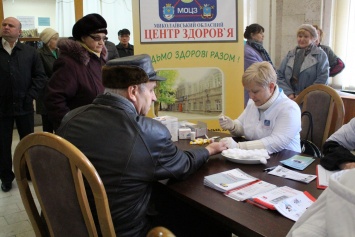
(327, 111)
(57, 169)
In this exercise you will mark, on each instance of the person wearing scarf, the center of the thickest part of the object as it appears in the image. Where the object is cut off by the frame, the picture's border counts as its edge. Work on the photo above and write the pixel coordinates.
(49, 54)
(303, 66)
(76, 78)
(254, 50)
(271, 120)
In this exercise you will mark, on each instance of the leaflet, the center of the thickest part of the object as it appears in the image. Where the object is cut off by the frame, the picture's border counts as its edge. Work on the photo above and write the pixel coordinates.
(295, 206)
(247, 191)
(274, 196)
(290, 174)
(298, 162)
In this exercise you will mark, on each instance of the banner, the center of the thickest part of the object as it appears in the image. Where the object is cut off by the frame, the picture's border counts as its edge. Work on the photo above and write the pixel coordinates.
(198, 46)
(188, 20)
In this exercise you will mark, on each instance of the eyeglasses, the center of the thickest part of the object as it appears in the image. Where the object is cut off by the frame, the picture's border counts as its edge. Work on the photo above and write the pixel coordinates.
(98, 38)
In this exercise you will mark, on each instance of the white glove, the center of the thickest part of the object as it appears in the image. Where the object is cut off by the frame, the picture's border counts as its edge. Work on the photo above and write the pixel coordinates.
(226, 123)
(230, 142)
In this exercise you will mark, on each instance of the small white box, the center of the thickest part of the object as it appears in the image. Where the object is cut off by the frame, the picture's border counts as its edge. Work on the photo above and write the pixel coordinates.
(184, 133)
(200, 128)
(172, 125)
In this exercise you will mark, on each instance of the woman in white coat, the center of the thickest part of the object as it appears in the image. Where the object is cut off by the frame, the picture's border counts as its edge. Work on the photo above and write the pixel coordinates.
(271, 120)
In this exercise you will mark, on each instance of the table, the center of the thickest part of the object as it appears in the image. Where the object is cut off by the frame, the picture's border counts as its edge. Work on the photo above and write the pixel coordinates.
(240, 218)
(349, 102)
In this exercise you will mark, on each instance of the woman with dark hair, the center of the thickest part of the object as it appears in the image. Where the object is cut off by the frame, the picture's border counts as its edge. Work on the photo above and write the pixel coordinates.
(336, 65)
(254, 50)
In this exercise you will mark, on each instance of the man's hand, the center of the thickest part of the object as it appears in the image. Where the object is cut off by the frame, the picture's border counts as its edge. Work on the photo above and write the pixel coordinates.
(216, 147)
(230, 142)
(226, 123)
(347, 165)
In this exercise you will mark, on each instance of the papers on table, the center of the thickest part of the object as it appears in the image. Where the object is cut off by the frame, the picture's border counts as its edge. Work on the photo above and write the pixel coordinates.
(271, 198)
(295, 206)
(290, 174)
(247, 191)
(298, 162)
(323, 177)
(228, 180)
(240, 186)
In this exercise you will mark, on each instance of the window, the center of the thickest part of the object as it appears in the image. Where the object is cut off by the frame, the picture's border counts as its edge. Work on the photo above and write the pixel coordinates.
(344, 38)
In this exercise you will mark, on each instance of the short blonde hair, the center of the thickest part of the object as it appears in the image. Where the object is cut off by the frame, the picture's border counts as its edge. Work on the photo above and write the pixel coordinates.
(262, 73)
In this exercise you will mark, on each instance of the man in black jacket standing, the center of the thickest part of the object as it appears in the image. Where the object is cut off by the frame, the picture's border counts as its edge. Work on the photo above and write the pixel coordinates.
(124, 48)
(130, 151)
(21, 77)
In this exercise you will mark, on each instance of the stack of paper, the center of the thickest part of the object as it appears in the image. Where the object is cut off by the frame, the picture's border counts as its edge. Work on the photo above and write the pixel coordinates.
(228, 180)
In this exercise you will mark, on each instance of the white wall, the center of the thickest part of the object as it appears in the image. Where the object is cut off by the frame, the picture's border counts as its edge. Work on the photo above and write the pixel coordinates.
(36, 8)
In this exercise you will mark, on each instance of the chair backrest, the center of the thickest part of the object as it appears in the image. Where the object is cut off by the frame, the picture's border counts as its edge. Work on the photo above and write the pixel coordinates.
(160, 231)
(327, 111)
(57, 169)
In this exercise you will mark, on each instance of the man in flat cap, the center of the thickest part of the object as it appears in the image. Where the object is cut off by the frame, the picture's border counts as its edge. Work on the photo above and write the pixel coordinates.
(77, 76)
(130, 151)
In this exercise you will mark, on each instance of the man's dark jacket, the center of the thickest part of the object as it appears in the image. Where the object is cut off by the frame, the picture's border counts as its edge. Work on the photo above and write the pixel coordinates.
(130, 152)
(124, 52)
(21, 78)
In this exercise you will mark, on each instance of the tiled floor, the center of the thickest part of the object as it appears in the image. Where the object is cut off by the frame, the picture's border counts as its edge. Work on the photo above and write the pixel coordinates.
(14, 221)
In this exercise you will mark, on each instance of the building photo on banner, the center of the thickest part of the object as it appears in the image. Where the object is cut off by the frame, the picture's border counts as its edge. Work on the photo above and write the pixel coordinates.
(197, 47)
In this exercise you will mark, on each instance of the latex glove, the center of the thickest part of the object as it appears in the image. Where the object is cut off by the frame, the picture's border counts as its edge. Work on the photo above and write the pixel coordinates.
(226, 123)
(230, 142)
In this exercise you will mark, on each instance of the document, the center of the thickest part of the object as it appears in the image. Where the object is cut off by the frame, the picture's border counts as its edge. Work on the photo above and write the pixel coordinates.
(271, 198)
(323, 176)
(298, 162)
(295, 206)
(247, 191)
(228, 180)
(290, 174)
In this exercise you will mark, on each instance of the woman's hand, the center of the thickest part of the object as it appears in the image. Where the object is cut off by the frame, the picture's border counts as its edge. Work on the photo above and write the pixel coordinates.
(226, 123)
(292, 96)
(230, 142)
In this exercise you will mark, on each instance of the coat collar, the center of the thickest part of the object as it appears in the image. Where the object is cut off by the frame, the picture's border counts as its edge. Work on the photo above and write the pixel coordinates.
(76, 51)
(115, 101)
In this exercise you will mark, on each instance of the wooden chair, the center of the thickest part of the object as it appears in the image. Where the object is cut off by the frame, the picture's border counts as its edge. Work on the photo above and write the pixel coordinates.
(326, 108)
(57, 169)
(160, 231)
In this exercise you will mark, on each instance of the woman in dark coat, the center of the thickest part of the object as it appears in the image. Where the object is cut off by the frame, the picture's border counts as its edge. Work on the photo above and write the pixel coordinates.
(76, 78)
(48, 54)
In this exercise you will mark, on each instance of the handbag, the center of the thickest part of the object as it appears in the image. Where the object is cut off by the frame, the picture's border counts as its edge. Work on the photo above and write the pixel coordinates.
(307, 146)
(338, 68)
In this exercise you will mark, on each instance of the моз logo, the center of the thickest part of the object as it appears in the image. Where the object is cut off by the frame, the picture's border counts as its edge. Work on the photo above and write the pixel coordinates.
(187, 10)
